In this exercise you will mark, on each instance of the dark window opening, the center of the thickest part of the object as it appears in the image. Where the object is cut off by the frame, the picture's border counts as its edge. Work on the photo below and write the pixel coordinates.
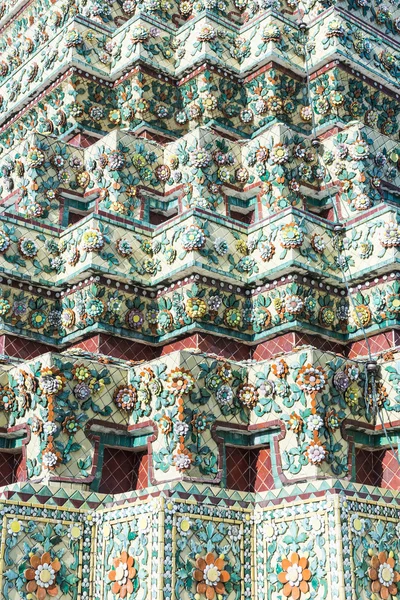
(378, 468)
(243, 217)
(157, 218)
(11, 467)
(123, 470)
(328, 214)
(74, 217)
(249, 469)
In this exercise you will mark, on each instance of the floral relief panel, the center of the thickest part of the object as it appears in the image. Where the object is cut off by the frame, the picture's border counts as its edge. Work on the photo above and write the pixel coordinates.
(296, 551)
(128, 552)
(210, 551)
(45, 553)
(371, 549)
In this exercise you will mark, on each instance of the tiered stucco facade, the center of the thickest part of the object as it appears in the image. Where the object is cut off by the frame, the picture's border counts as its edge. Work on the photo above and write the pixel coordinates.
(199, 300)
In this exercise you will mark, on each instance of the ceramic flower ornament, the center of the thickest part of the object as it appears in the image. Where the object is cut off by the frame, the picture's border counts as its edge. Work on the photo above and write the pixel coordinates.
(125, 397)
(383, 577)
(311, 379)
(280, 368)
(123, 575)
(180, 381)
(295, 576)
(41, 575)
(210, 575)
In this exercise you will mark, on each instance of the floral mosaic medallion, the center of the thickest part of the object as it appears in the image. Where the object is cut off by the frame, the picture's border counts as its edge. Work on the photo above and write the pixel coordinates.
(384, 578)
(295, 576)
(210, 575)
(42, 574)
(123, 575)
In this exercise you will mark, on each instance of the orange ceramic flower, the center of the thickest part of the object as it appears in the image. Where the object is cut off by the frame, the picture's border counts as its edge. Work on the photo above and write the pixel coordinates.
(311, 379)
(147, 375)
(295, 576)
(180, 381)
(165, 424)
(122, 575)
(210, 575)
(41, 576)
(383, 576)
(295, 422)
(280, 368)
(247, 394)
(182, 457)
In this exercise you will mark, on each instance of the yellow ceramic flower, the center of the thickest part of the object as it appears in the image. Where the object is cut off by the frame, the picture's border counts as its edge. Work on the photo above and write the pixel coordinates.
(196, 308)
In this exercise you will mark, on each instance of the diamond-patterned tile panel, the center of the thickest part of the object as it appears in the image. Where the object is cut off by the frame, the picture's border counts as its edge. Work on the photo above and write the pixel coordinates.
(181, 344)
(263, 470)
(366, 470)
(281, 343)
(118, 348)
(89, 345)
(126, 349)
(224, 347)
(382, 342)
(21, 347)
(390, 469)
(288, 341)
(19, 467)
(82, 140)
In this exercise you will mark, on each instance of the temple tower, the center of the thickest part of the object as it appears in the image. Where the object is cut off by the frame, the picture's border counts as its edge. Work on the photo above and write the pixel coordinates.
(199, 300)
